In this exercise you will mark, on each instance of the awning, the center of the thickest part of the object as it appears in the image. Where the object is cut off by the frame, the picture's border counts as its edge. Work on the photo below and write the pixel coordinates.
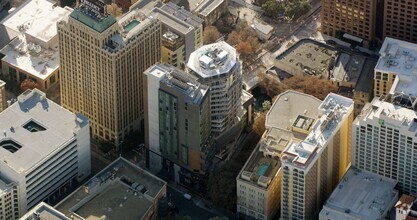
(354, 38)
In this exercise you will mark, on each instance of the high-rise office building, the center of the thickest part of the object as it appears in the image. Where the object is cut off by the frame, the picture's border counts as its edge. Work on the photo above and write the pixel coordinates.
(385, 141)
(177, 124)
(217, 66)
(102, 61)
(44, 147)
(2, 96)
(400, 20)
(351, 20)
(313, 167)
(182, 33)
(258, 184)
(385, 133)
(9, 201)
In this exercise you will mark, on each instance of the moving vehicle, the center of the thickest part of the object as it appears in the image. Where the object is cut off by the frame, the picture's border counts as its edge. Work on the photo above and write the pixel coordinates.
(187, 196)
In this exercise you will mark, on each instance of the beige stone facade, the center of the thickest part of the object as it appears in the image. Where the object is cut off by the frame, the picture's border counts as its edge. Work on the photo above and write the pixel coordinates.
(102, 61)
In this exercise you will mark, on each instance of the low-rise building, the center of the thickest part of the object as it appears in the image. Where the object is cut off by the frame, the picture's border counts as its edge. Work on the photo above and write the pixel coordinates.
(33, 50)
(3, 98)
(43, 211)
(122, 190)
(406, 208)
(211, 10)
(263, 31)
(361, 195)
(9, 200)
(259, 182)
(43, 148)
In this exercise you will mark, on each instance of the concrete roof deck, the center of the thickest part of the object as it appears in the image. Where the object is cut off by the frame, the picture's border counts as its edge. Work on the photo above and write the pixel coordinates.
(106, 193)
(58, 122)
(288, 106)
(111, 203)
(39, 16)
(226, 67)
(362, 195)
(207, 6)
(309, 54)
(40, 65)
(399, 57)
(181, 81)
(333, 110)
(45, 212)
(381, 110)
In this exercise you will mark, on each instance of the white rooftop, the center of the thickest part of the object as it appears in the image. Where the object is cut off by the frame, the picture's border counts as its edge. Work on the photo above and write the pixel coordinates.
(213, 59)
(361, 195)
(399, 57)
(333, 111)
(31, 58)
(383, 111)
(38, 126)
(38, 17)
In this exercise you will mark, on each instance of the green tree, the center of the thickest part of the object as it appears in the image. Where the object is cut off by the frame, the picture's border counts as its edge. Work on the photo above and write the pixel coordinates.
(272, 8)
(296, 8)
(266, 105)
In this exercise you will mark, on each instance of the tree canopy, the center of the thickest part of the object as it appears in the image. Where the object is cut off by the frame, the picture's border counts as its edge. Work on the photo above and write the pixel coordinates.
(210, 35)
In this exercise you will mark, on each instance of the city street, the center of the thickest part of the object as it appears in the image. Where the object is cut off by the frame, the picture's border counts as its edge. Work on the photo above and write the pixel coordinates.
(187, 207)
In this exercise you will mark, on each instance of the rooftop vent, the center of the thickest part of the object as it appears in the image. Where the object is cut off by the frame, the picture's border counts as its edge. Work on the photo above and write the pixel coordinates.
(33, 126)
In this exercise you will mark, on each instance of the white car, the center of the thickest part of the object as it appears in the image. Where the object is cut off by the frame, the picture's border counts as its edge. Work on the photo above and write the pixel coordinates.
(187, 196)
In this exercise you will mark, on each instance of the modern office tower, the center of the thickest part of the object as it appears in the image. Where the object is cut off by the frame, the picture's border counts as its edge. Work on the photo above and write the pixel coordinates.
(361, 195)
(182, 33)
(258, 184)
(122, 190)
(384, 134)
(44, 211)
(3, 99)
(177, 122)
(399, 20)
(9, 201)
(385, 140)
(395, 68)
(33, 53)
(313, 167)
(351, 20)
(102, 61)
(217, 66)
(43, 146)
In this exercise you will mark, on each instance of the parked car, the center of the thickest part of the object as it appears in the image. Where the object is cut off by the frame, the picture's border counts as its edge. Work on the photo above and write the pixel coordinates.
(187, 196)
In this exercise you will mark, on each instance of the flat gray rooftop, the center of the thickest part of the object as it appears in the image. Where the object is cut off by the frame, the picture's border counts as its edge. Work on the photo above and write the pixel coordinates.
(352, 67)
(119, 183)
(311, 57)
(361, 194)
(366, 78)
(288, 106)
(45, 212)
(115, 202)
(32, 128)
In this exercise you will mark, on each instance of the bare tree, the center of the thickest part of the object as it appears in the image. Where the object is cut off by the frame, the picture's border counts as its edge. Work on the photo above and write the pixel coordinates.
(210, 35)
(28, 84)
(114, 10)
